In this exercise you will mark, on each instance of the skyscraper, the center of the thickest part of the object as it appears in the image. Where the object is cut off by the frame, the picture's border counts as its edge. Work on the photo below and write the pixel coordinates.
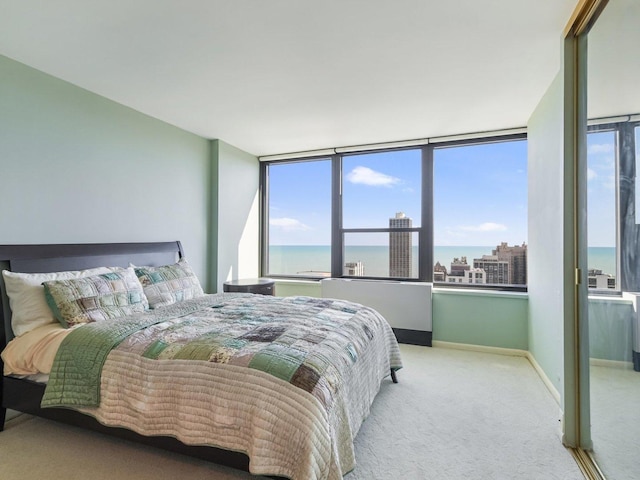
(400, 247)
(517, 258)
(496, 270)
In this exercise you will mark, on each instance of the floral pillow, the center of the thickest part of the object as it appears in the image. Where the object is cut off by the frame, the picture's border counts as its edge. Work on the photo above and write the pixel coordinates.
(169, 284)
(97, 298)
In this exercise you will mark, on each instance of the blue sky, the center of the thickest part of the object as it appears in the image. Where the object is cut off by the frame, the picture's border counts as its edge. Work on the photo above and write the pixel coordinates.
(601, 193)
(480, 194)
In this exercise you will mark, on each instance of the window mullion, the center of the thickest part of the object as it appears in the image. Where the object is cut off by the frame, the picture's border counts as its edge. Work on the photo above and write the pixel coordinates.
(337, 237)
(425, 238)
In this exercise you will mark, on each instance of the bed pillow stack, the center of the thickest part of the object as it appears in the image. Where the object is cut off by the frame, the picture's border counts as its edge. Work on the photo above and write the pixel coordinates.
(96, 294)
(26, 296)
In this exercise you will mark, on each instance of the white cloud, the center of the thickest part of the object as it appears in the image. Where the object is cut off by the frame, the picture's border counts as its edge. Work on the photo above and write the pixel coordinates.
(591, 174)
(288, 224)
(600, 148)
(366, 176)
(609, 182)
(485, 227)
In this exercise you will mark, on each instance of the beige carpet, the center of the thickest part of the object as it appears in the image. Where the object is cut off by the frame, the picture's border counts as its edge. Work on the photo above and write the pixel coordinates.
(615, 421)
(454, 415)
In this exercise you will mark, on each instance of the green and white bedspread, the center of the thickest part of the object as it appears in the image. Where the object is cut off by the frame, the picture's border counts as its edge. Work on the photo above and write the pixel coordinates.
(288, 380)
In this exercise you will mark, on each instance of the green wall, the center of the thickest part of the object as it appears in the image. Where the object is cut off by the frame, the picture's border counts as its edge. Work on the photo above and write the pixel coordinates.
(237, 213)
(545, 225)
(481, 318)
(77, 167)
(287, 288)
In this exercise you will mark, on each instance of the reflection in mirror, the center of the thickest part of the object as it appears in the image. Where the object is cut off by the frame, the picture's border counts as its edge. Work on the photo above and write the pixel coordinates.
(614, 237)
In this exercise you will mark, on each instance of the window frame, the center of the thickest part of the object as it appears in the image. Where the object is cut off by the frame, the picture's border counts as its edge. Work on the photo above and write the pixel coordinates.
(616, 129)
(424, 231)
(263, 206)
(426, 218)
(466, 143)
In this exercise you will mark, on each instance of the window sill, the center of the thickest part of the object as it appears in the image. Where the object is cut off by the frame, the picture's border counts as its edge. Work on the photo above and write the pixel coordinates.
(295, 281)
(616, 297)
(478, 292)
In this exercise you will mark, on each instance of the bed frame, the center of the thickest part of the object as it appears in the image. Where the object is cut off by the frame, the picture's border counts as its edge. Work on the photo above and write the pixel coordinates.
(25, 395)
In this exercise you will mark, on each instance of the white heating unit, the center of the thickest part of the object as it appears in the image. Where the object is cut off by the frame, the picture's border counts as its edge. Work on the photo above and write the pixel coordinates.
(405, 305)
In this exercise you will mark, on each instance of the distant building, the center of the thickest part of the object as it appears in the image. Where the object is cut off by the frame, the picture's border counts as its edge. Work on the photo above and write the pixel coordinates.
(459, 267)
(439, 273)
(354, 269)
(516, 256)
(496, 270)
(601, 281)
(506, 265)
(461, 272)
(400, 247)
(476, 275)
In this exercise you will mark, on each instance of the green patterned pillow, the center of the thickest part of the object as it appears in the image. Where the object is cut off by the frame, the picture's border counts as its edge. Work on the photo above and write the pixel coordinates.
(96, 298)
(169, 284)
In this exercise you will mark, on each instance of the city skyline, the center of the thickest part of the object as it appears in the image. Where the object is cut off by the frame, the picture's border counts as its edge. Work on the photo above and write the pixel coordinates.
(374, 260)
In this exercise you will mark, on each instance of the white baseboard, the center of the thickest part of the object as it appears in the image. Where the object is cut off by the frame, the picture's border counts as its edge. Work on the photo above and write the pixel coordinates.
(513, 352)
(543, 376)
(599, 362)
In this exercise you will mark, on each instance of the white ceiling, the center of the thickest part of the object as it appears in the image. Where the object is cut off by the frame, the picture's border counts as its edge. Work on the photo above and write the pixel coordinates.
(612, 61)
(283, 76)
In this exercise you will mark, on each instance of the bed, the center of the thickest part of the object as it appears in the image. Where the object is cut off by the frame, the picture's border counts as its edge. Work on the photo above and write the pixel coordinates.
(274, 386)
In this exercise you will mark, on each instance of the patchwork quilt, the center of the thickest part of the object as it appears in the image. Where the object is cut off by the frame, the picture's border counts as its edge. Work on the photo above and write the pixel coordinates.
(288, 381)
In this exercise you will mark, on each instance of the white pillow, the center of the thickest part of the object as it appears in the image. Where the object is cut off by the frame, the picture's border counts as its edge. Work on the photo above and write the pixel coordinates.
(29, 307)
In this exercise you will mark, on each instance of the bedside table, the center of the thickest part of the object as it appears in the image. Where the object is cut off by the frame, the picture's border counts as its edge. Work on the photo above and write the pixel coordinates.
(262, 286)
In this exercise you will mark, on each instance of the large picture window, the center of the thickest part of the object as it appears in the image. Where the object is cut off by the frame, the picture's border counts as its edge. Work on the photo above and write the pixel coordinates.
(381, 214)
(480, 213)
(298, 231)
(453, 213)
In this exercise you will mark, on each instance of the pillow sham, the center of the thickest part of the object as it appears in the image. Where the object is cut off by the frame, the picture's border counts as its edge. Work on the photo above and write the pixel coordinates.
(169, 284)
(94, 299)
(29, 307)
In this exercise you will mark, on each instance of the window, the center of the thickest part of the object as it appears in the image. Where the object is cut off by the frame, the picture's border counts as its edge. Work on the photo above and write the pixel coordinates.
(480, 211)
(299, 212)
(601, 208)
(381, 212)
(453, 213)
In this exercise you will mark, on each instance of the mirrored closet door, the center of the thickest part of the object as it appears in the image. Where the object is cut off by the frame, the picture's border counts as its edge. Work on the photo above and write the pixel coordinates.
(613, 230)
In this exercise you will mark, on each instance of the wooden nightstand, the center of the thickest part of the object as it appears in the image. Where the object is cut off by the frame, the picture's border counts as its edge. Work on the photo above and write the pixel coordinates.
(262, 286)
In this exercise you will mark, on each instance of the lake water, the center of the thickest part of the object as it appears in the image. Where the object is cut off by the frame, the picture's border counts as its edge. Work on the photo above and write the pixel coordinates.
(316, 259)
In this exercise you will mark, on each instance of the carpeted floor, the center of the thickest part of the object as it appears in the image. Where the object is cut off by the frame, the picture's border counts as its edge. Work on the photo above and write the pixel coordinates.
(615, 421)
(454, 415)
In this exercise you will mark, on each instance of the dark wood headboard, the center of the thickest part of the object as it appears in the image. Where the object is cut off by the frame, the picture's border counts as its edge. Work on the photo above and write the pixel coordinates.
(63, 257)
